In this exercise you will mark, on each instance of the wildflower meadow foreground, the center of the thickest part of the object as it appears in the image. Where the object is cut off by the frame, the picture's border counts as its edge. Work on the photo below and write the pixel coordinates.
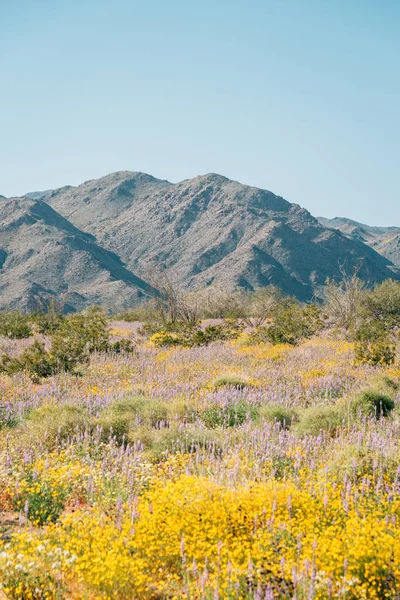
(229, 470)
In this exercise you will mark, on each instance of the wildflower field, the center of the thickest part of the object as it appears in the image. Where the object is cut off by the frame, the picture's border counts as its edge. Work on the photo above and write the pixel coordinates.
(223, 471)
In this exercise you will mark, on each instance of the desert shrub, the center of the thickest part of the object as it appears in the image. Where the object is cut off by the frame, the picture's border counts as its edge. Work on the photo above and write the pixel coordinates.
(113, 426)
(276, 413)
(315, 419)
(122, 347)
(372, 403)
(34, 360)
(189, 336)
(382, 304)
(15, 325)
(178, 440)
(343, 301)
(293, 322)
(381, 352)
(47, 322)
(374, 344)
(229, 415)
(77, 337)
(39, 499)
(166, 339)
(52, 424)
(123, 417)
(231, 381)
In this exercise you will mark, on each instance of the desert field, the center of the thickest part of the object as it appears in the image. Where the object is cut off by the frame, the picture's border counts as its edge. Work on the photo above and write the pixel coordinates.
(231, 470)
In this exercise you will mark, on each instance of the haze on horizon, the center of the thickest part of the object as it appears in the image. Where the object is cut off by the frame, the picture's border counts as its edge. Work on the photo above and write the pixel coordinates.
(301, 98)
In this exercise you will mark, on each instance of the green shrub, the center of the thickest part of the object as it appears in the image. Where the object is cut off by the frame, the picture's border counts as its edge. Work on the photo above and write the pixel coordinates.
(314, 420)
(123, 417)
(48, 322)
(177, 440)
(276, 413)
(122, 347)
(292, 322)
(49, 424)
(380, 352)
(34, 361)
(231, 381)
(39, 500)
(374, 344)
(230, 415)
(192, 335)
(15, 325)
(372, 403)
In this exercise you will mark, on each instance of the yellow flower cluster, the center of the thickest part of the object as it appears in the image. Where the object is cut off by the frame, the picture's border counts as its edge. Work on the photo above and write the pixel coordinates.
(205, 538)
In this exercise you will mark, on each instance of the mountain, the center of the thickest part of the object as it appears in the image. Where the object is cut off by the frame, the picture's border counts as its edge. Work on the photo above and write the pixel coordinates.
(43, 257)
(385, 240)
(211, 229)
(2, 197)
(37, 195)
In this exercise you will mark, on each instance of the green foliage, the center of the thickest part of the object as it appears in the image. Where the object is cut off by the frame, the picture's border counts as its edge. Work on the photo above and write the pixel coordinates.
(15, 325)
(48, 322)
(372, 403)
(122, 347)
(374, 344)
(123, 417)
(230, 415)
(189, 336)
(316, 419)
(382, 305)
(35, 361)
(293, 322)
(381, 352)
(40, 500)
(71, 343)
(52, 424)
(231, 381)
(276, 413)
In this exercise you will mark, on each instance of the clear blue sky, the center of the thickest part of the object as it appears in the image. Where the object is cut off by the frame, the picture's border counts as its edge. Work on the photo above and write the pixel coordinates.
(301, 97)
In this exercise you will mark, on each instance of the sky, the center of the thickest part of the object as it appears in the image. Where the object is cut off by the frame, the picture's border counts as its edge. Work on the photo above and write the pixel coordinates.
(301, 97)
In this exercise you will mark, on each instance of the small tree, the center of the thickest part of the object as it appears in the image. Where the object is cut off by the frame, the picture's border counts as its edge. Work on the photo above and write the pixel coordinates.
(261, 306)
(343, 301)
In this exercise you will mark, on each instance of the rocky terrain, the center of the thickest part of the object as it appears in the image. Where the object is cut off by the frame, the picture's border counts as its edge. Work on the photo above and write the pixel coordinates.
(104, 239)
(385, 240)
(43, 257)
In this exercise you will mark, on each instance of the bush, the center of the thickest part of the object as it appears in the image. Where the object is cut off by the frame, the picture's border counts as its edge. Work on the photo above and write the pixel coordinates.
(276, 413)
(122, 417)
(292, 323)
(189, 336)
(35, 361)
(230, 415)
(316, 419)
(122, 347)
(231, 381)
(14, 325)
(51, 424)
(375, 353)
(179, 440)
(374, 344)
(382, 305)
(372, 403)
(48, 322)
(76, 338)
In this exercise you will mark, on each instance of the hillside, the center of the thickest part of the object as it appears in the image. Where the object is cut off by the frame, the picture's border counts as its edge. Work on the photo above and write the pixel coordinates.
(43, 256)
(385, 240)
(210, 229)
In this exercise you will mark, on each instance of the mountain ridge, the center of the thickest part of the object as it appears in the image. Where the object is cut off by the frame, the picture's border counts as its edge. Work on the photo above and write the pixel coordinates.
(105, 239)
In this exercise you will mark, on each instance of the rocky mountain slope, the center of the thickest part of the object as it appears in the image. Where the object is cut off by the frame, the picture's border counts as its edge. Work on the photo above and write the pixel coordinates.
(43, 256)
(211, 229)
(100, 242)
(385, 240)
